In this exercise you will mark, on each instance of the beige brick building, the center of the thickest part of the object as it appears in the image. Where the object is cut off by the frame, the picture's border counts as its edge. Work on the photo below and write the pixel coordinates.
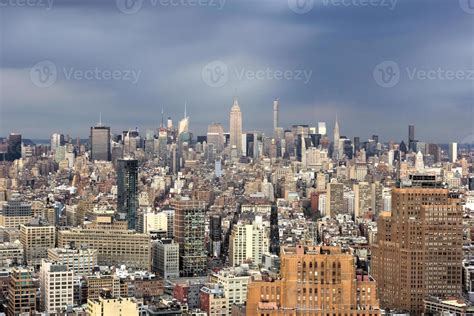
(314, 281)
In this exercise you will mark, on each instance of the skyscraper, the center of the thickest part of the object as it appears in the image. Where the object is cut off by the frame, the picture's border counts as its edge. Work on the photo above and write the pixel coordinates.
(100, 142)
(190, 234)
(127, 190)
(453, 152)
(335, 199)
(411, 138)
(274, 231)
(276, 114)
(418, 252)
(215, 234)
(322, 128)
(215, 135)
(336, 154)
(411, 133)
(14, 147)
(236, 128)
(57, 140)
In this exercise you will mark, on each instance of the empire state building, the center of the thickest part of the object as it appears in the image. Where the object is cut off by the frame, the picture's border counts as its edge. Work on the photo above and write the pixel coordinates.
(236, 128)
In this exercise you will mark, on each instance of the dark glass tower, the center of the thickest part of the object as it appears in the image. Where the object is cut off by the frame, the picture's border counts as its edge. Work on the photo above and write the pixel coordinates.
(215, 235)
(127, 190)
(100, 143)
(274, 232)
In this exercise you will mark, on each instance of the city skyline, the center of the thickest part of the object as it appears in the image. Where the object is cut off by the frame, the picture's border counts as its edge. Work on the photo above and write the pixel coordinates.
(156, 71)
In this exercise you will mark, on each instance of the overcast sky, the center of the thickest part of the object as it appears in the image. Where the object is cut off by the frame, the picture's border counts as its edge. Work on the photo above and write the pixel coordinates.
(378, 65)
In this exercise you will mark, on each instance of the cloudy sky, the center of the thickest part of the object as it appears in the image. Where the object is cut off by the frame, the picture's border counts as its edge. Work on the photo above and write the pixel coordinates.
(377, 64)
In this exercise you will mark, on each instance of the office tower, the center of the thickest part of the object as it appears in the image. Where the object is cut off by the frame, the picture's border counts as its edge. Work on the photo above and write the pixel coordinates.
(169, 124)
(314, 281)
(189, 233)
(274, 231)
(453, 152)
(336, 154)
(276, 114)
(435, 151)
(165, 258)
(57, 286)
(115, 246)
(411, 133)
(15, 212)
(14, 142)
(356, 144)
(21, 292)
(215, 234)
(36, 238)
(346, 145)
(236, 128)
(362, 198)
(247, 243)
(378, 198)
(250, 139)
(106, 305)
(300, 147)
(100, 143)
(215, 136)
(218, 168)
(315, 139)
(418, 252)
(127, 190)
(411, 138)
(81, 261)
(56, 141)
(335, 199)
(322, 128)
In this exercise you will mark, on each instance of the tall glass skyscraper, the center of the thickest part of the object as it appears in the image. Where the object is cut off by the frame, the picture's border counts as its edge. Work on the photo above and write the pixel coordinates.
(127, 190)
(100, 143)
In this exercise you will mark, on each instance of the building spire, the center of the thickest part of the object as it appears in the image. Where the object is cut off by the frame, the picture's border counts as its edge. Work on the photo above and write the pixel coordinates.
(162, 122)
(185, 106)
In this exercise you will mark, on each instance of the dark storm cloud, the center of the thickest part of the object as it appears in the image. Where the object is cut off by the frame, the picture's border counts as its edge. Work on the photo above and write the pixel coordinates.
(266, 48)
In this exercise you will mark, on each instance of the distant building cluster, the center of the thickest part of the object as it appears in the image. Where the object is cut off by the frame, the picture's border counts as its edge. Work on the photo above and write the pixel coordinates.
(235, 222)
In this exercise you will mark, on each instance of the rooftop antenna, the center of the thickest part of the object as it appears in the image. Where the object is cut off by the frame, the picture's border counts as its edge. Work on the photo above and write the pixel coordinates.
(100, 119)
(185, 106)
